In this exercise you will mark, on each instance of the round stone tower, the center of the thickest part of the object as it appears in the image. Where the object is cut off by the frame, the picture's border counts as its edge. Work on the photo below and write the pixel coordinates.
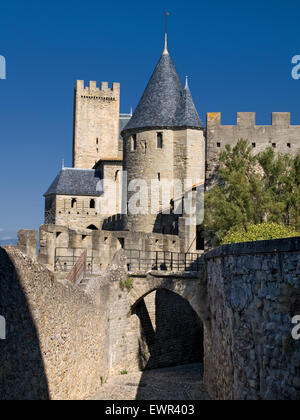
(163, 142)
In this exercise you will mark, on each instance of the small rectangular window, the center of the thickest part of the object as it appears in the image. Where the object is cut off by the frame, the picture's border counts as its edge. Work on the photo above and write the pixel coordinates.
(158, 176)
(159, 140)
(253, 145)
(133, 142)
(274, 145)
(289, 145)
(218, 144)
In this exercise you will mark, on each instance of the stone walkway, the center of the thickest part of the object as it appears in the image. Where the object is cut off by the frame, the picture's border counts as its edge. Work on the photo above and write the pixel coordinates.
(174, 383)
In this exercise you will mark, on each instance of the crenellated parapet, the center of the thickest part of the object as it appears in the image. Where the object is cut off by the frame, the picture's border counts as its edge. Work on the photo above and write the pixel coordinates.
(92, 86)
(91, 89)
(248, 120)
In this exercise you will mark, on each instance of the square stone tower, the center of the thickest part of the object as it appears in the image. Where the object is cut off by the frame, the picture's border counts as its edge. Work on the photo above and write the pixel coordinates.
(96, 124)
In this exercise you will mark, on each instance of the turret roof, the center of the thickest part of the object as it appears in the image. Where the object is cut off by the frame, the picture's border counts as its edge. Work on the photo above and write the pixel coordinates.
(165, 102)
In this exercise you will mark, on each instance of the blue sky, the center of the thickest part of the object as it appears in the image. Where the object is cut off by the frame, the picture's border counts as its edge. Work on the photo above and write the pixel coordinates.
(237, 55)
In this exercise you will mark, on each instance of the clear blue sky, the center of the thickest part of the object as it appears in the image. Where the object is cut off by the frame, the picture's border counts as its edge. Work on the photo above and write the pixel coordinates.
(237, 54)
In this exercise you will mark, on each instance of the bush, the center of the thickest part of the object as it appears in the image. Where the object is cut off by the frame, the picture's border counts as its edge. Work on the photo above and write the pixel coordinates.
(259, 232)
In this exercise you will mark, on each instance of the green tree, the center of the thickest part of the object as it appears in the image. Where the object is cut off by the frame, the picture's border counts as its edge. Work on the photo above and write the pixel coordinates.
(281, 180)
(253, 190)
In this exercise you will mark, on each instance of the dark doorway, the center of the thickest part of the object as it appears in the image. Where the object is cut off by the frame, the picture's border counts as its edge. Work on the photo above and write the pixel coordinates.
(200, 244)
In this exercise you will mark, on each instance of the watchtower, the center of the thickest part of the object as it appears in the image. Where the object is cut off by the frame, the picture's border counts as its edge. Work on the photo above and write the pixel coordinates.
(96, 124)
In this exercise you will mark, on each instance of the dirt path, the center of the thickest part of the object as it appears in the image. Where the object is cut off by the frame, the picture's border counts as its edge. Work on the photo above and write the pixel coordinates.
(174, 383)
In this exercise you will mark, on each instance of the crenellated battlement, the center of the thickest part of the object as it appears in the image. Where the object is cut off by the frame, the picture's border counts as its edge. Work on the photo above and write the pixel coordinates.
(91, 88)
(248, 120)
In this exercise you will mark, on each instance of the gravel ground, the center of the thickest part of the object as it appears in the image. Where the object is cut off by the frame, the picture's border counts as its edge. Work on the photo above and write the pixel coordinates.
(174, 383)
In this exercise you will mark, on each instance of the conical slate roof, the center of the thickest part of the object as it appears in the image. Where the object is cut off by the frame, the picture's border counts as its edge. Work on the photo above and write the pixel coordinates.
(165, 103)
(187, 114)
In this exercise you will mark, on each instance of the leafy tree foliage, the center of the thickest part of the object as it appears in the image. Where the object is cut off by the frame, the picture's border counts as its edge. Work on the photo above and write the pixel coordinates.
(253, 190)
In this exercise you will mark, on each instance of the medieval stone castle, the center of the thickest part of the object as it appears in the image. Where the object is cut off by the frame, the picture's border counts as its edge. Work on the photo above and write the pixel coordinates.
(163, 140)
(157, 302)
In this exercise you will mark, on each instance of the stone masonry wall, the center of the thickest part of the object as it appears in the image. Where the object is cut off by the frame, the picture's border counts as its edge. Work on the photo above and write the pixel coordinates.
(57, 341)
(147, 163)
(81, 215)
(63, 341)
(253, 293)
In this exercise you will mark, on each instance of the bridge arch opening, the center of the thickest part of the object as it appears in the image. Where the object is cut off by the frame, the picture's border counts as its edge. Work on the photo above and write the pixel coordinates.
(164, 330)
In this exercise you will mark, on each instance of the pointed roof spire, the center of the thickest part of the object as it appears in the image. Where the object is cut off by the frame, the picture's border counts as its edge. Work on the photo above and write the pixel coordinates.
(166, 34)
(166, 45)
(188, 113)
(186, 82)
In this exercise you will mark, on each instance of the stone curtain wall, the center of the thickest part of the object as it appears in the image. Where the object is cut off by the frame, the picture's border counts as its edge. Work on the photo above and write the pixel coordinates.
(253, 293)
(57, 341)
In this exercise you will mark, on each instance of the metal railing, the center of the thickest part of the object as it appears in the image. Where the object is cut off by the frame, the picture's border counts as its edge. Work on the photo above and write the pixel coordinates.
(162, 260)
(137, 260)
(66, 258)
(78, 272)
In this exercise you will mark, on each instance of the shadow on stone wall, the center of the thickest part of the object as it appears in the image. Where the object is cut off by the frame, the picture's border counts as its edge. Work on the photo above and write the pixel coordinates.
(22, 373)
(176, 339)
(166, 223)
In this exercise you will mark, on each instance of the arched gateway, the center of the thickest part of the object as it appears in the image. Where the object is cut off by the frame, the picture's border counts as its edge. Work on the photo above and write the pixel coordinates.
(159, 322)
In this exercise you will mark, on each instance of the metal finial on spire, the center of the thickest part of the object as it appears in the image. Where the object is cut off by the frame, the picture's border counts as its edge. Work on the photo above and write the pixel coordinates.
(166, 34)
(63, 163)
(186, 82)
(131, 111)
